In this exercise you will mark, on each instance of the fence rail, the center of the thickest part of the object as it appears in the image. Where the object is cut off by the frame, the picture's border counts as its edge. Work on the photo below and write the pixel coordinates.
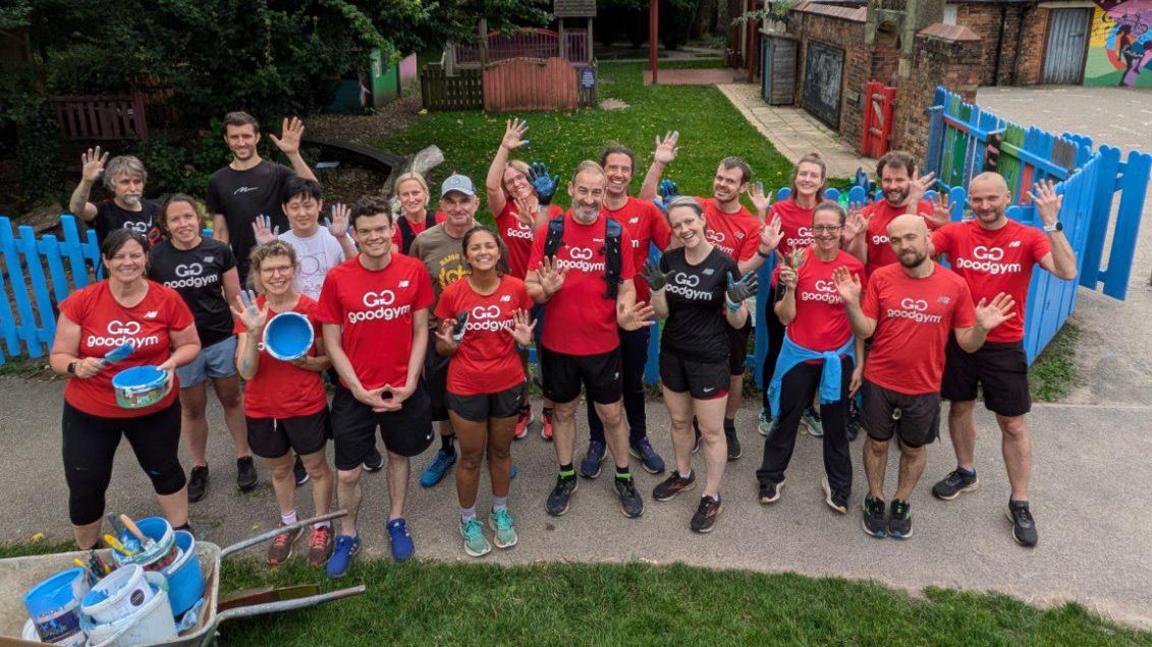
(101, 118)
(462, 91)
(525, 43)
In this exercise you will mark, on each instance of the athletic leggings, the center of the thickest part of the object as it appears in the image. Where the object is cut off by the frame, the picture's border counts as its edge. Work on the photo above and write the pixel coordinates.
(90, 447)
(775, 331)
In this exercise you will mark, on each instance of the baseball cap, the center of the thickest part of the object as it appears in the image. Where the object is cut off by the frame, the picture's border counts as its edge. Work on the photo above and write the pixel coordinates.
(459, 183)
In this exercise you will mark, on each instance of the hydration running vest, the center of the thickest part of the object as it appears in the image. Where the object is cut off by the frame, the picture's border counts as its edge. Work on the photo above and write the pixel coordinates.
(406, 233)
(611, 250)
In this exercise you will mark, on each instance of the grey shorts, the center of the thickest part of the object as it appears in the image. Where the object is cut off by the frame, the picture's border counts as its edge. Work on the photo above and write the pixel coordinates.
(215, 361)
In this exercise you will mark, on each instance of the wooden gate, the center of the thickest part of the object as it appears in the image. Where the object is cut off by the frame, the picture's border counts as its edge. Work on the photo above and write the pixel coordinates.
(530, 84)
(823, 82)
(1067, 46)
(878, 108)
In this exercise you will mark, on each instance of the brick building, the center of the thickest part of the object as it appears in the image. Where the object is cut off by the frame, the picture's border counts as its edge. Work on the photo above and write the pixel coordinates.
(915, 45)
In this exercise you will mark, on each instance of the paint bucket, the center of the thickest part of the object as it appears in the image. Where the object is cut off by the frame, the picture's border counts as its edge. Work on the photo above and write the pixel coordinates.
(288, 336)
(163, 550)
(118, 595)
(141, 386)
(149, 624)
(54, 607)
(185, 581)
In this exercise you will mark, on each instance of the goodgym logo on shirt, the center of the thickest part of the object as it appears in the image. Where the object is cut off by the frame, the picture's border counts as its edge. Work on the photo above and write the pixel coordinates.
(191, 276)
(380, 304)
(822, 291)
(988, 260)
(488, 318)
(120, 333)
(580, 259)
(803, 238)
(914, 310)
(521, 230)
(684, 285)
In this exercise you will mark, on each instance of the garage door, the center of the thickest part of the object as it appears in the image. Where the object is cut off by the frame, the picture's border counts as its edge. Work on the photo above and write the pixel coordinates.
(1067, 43)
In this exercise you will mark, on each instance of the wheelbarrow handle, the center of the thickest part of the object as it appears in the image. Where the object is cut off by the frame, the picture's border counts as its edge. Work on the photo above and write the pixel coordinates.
(265, 536)
(287, 605)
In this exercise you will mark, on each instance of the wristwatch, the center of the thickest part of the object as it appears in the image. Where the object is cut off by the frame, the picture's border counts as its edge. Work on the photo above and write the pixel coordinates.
(72, 367)
(1056, 226)
(762, 254)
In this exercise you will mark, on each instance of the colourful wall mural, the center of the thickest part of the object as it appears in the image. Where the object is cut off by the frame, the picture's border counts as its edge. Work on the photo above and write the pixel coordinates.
(1120, 49)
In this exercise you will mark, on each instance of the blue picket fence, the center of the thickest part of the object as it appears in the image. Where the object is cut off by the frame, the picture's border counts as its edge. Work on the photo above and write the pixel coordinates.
(36, 275)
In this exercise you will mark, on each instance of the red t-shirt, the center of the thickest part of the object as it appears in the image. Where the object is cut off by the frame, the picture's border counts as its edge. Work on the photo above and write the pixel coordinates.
(795, 224)
(995, 261)
(913, 320)
(375, 309)
(646, 224)
(735, 234)
(281, 389)
(105, 325)
(879, 249)
(579, 320)
(518, 237)
(821, 322)
(417, 228)
(486, 361)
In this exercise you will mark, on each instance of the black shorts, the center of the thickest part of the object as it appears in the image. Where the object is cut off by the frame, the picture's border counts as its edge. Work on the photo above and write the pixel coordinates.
(1002, 369)
(436, 379)
(406, 432)
(273, 437)
(738, 348)
(481, 407)
(915, 418)
(563, 375)
(701, 380)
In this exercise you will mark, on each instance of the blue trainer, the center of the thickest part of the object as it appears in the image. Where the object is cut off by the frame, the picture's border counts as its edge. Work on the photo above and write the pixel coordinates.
(436, 470)
(652, 462)
(513, 472)
(402, 547)
(346, 548)
(590, 466)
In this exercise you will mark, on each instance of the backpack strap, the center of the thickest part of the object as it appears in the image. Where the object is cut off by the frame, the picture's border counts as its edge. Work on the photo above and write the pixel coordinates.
(613, 263)
(406, 234)
(555, 236)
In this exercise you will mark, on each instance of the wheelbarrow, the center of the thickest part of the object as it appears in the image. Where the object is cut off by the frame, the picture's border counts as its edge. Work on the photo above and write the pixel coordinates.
(19, 574)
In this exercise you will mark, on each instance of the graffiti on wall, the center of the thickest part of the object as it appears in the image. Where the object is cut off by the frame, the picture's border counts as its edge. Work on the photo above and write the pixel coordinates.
(1120, 49)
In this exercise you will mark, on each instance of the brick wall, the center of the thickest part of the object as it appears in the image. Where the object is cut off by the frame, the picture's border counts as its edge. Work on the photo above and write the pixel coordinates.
(1030, 67)
(849, 36)
(942, 55)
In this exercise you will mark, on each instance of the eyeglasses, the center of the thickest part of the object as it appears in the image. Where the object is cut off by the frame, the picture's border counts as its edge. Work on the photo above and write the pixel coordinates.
(278, 269)
(826, 229)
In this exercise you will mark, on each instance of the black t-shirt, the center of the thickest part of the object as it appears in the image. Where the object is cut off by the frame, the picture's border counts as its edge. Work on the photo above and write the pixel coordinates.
(240, 196)
(110, 217)
(696, 328)
(198, 275)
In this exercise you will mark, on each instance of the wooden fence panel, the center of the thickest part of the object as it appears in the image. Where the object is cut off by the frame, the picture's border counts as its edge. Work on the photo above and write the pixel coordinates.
(530, 84)
(463, 91)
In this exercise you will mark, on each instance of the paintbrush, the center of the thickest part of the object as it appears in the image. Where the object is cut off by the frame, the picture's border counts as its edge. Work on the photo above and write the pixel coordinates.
(118, 354)
(145, 540)
(121, 533)
(101, 565)
(117, 546)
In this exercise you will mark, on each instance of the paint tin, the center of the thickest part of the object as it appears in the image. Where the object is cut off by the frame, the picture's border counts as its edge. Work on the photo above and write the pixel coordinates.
(141, 386)
(54, 607)
(288, 336)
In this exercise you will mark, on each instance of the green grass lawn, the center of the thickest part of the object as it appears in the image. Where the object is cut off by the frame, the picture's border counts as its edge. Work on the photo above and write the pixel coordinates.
(1054, 372)
(710, 129)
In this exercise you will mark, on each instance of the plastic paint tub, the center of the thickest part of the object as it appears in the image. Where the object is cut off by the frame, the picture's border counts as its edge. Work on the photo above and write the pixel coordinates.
(288, 336)
(141, 386)
(161, 553)
(54, 607)
(118, 595)
(185, 581)
(149, 624)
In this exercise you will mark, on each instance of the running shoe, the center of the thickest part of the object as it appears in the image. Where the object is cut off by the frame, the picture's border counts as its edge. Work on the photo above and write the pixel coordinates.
(319, 545)
(652, 462)
(475, 544)
(436, 470)
(522, 423)
(838, 501)
(197, 483)
(512, 472)
(673, 485)
(900, 521)
(853, 424)
(811, 420)
(1023, 525)
(705, 518)
(505, 532)
(696, 431)
(374, 462)
(401, 541)
(770, 492)
(874, 522)
(630, 501)
(346, 548)
(734, 450)
(590, 466)
(957, 482)
(281, 548)
(245, 474)
(299, 472)
(765, 424)
(561, 495)
(546, 425)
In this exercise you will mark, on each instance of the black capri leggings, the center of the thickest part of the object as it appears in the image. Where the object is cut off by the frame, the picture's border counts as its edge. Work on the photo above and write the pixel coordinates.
(90, 447)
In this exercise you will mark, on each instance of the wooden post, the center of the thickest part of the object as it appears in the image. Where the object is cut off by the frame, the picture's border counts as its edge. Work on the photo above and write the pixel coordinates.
(563, 40)
(588, 43)
(483, 42)
(653, 36)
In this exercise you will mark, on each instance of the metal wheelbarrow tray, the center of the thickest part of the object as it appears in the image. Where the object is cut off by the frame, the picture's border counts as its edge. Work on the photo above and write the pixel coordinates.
(19, 574)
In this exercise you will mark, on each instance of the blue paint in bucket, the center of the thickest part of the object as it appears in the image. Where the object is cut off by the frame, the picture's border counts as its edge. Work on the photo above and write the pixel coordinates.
(185, 580)
(54, 606)
(140, 386)
(288, 336)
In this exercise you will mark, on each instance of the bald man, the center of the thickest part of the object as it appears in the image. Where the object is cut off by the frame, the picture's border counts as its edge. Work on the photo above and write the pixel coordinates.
(908, 311)
(996, 255)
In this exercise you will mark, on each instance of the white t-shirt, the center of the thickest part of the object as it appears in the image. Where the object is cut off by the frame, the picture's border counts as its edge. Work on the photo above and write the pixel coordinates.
(316, 255)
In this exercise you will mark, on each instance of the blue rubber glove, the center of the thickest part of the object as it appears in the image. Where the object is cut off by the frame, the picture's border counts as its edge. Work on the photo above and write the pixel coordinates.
(544, 183)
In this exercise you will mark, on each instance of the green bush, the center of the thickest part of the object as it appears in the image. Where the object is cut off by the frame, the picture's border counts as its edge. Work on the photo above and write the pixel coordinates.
(37, 147)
